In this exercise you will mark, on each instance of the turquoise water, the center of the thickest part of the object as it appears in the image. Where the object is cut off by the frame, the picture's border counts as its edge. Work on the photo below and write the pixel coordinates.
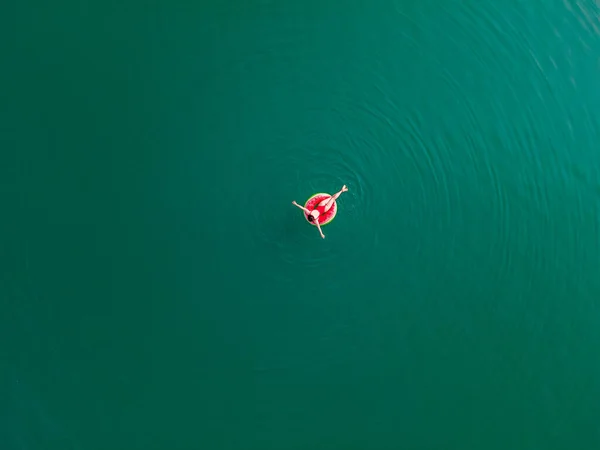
(159, 290)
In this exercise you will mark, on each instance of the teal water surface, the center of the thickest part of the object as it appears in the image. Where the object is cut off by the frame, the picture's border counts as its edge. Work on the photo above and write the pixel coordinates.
(160, 291)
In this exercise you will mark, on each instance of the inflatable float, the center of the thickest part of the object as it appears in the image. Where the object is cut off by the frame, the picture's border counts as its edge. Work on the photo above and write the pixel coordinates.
(324, 217)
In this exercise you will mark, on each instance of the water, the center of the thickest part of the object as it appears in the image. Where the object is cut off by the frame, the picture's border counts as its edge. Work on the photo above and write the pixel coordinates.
(159, 290)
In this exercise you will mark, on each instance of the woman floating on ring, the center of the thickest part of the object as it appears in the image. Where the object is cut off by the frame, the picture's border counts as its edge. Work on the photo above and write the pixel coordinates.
(321, 209)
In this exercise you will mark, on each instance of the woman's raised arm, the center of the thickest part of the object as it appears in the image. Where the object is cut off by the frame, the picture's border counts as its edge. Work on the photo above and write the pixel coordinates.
(301, 207)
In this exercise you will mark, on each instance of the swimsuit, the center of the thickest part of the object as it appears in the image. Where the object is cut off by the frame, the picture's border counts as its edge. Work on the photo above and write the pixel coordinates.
(321, 209)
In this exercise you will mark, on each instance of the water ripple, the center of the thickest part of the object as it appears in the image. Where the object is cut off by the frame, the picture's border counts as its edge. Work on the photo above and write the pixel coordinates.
(290, 239)
(505, 84)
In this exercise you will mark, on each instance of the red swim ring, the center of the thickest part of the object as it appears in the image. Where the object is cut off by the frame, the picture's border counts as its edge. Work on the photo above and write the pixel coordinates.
(324, 217)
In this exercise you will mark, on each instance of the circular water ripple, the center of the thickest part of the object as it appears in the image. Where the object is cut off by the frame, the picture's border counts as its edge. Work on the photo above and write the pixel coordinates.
(514, 129)
(462, 168)
(282, 229)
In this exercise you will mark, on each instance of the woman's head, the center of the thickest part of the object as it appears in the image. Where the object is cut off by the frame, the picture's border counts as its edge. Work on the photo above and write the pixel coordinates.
(313, 216)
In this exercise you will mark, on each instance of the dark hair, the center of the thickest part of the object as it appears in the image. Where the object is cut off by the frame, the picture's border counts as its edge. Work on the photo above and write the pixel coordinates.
(311, 218)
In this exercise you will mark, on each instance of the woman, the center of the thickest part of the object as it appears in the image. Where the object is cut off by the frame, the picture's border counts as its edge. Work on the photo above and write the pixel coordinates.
(322, 207)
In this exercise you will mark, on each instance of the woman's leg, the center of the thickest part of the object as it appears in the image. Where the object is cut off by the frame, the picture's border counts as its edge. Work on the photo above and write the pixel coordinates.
(324, 201)
(331, 200)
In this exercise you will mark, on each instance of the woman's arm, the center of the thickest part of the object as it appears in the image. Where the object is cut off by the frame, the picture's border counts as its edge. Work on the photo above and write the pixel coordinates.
(319, 227)
(301, 207)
